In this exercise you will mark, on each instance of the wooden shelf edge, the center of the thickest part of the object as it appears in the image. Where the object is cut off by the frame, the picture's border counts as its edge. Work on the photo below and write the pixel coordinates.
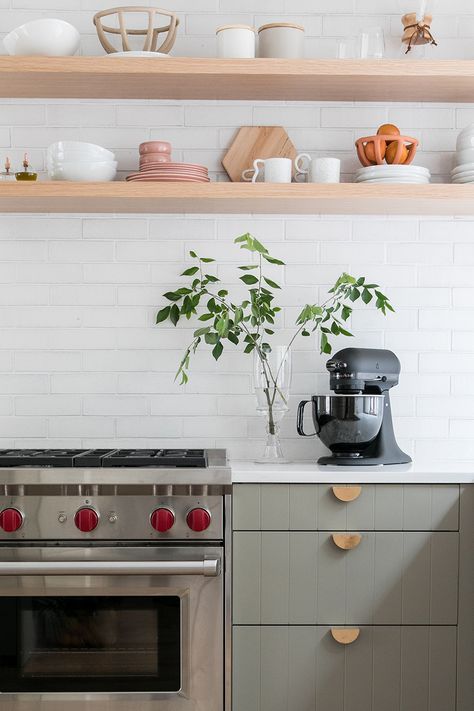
(236, 198)
(264, 79)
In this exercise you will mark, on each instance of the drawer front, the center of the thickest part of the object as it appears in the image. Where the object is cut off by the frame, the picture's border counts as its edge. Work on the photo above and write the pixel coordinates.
(306, 669)
(388, 578)
(378, 507)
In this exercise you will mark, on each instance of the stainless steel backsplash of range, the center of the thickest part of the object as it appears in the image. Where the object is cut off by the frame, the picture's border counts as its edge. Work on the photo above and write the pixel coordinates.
(114, 580)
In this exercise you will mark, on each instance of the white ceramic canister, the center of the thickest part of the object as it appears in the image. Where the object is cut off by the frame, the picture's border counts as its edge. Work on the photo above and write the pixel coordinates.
(281, 40)
(235, 42)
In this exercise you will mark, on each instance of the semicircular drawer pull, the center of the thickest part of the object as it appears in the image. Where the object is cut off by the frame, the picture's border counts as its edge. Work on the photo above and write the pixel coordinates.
(346, 541)
(347, 493)
(345, 636)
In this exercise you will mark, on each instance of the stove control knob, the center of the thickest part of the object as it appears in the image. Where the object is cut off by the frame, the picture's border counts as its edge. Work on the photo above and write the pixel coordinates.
(198, 520)
(11, 520)
(86, 519)
(162, 520)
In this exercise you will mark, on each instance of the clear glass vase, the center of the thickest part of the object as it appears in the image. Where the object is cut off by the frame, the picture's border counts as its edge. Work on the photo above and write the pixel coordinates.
(272, 380)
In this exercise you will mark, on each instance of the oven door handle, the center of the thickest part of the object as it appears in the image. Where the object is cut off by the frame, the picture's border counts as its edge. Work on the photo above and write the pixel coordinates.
(209, 567)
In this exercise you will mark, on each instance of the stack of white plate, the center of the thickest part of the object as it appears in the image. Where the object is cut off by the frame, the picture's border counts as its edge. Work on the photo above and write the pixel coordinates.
(463, 172)
(393, 174)
(79, 161)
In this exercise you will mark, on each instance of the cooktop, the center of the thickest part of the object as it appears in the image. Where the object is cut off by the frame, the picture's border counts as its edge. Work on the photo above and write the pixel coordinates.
(103, 458)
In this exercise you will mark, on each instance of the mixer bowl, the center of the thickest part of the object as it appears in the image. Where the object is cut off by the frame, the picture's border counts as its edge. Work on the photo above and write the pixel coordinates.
(347, 424)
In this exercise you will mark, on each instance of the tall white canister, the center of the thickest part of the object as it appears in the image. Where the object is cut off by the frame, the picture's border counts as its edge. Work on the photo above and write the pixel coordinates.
(281, 39)
(235, 42)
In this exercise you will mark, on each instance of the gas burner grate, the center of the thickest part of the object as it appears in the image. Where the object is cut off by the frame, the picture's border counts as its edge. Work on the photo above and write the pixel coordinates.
(156, 458)
(95, 458)
(39, 457)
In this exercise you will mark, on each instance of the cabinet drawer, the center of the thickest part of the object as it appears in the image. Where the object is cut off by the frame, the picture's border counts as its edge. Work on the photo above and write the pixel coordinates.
(304, 668)
(378, 507)
(389, 578)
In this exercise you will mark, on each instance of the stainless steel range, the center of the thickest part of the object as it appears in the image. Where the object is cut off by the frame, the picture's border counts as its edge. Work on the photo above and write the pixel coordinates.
(114, 580)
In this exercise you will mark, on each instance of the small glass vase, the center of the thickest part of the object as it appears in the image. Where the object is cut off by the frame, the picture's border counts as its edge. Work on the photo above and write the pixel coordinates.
(272, 380)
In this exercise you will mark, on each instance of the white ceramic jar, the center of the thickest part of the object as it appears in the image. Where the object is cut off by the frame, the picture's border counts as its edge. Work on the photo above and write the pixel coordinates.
(281, 40)
(235, 42)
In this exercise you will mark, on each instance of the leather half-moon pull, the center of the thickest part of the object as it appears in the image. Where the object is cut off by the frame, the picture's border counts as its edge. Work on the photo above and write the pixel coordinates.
(346, 541)
(347, 493)
(345, 635)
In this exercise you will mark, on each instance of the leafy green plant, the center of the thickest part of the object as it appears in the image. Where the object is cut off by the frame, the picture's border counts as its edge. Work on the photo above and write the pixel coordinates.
(251, 322)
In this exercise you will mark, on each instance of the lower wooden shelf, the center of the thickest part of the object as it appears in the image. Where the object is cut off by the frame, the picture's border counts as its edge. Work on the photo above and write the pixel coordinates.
(236, 198)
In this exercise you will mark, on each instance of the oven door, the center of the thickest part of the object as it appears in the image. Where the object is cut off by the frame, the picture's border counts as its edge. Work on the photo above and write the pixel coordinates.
(137, 623)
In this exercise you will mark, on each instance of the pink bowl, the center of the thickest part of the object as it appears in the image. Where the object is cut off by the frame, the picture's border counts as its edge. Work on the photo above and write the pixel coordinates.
(148, 158)
(155, 147)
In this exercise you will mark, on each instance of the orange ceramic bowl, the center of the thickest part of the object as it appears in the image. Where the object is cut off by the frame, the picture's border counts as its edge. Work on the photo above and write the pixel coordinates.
(378, 145)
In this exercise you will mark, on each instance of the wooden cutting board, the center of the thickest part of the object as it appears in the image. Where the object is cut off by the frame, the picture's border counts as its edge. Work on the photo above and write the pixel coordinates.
(253, 142)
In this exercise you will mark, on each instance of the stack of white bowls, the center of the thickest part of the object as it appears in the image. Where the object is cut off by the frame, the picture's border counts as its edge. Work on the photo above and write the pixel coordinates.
(81, 162)
(393, 174)
(463, 171)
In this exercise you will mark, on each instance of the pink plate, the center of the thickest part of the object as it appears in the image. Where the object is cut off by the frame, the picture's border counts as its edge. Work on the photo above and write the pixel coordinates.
(171, 179)
(167, 167)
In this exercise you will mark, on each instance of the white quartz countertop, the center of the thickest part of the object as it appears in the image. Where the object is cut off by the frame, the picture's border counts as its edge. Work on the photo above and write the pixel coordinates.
(312, 473)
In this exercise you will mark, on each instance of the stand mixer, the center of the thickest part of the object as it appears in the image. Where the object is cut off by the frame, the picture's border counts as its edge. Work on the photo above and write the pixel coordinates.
(356, 423)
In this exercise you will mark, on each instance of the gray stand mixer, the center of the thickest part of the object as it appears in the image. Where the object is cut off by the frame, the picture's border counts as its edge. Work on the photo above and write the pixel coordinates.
(356, 423)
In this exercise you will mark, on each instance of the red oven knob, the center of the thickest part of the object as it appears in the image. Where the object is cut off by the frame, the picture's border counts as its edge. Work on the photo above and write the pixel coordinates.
(198, 520)
(86, 519)
(11, 520)
(162, 520)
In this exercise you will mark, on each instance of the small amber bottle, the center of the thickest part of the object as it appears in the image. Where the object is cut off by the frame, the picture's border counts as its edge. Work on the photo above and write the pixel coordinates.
(25, 174)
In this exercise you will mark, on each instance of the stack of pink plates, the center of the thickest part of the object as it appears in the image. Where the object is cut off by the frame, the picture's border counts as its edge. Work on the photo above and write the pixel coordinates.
(171, 173)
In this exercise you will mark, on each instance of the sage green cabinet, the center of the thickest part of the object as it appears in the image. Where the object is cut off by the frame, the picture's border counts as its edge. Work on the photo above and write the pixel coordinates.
(279, 668)
(314, 507)
(389, 578)
(389, 565)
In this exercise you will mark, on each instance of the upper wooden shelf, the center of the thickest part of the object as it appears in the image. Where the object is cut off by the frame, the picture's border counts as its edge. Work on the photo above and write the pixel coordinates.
(235, 198)
(264, 79)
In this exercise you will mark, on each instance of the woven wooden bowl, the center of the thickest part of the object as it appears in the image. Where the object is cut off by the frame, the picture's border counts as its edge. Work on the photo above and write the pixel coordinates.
(380, 143)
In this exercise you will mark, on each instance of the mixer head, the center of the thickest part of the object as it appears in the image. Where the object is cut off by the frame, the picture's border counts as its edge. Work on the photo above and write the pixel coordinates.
(363, 370)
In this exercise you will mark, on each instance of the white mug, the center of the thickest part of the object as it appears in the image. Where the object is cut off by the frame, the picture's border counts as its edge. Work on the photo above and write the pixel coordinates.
(318, 170)
(275, 170)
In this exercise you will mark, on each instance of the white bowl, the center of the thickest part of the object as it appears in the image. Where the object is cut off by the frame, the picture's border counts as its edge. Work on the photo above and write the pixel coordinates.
(89, 151)
(76, 158)
(146, 55)
(84, 172)
(464, 156)
(45, 38)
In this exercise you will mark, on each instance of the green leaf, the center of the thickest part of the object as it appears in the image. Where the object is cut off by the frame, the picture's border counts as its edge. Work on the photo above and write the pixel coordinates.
(190, 272)
(355, 294)
(207, 260)
(259, 246)
(202, 331)
(211, 278)
(217, 350)
(249, 279)
(211, 338)
(269, 331)
(222, 293)
(163, 314)
(346, 312)
(174, 314)
(206, 317)
(248, 268)
(249, 348)
(360, 281)
(343, 332)
(222, 326)
(367, 296)
(242, 238)
(304, 332)
(271, 283)
(183, 291)
(273, 260)
(390, 307)
(192, 254)
(172, 296)
(334, 328)
(233, 338)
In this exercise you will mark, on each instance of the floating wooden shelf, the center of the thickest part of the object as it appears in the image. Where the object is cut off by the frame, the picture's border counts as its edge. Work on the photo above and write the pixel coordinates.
(264, 79)
(308, 199)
